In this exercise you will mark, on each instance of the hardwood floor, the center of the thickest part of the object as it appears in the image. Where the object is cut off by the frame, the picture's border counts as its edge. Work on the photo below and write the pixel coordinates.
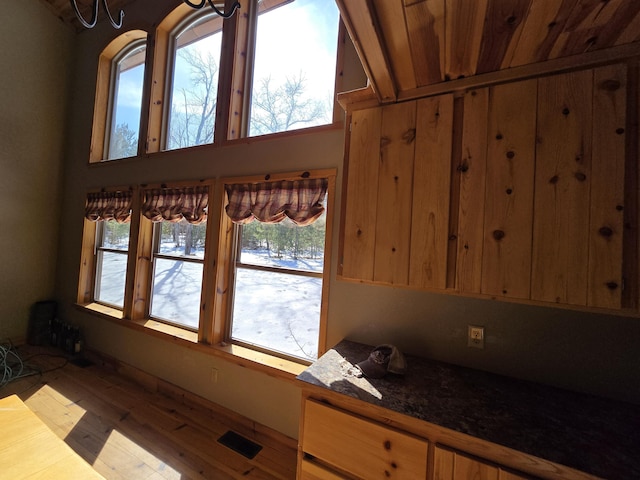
(128, 432)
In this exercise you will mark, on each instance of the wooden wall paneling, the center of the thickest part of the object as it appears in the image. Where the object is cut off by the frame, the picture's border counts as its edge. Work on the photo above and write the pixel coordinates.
(464, 26)
(502, 28)
(393, 219)
(426, 28)
(542, 27)
(472, 168)
(631, 241)
(362, 195)
(562, 189)
(511, 145)
(431, 190)
(454, 194)
(607, 186)
(390, 14)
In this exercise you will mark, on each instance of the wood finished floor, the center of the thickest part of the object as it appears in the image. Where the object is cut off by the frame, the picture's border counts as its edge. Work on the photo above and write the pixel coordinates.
(126, 432)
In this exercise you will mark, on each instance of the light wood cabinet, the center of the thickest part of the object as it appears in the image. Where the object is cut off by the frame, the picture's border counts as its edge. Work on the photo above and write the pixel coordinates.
(526, 191)
(398, 191)
(340, 441)
(454, 465)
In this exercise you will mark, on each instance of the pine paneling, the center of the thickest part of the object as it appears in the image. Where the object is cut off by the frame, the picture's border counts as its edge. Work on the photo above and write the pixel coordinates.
(431, 186)
(607, 187)
(473, 171)
(397, 146)
(563, 181)
(511, 144)
(362, 194)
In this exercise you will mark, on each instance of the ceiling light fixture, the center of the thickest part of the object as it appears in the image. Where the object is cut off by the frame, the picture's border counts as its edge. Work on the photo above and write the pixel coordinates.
(94, 16)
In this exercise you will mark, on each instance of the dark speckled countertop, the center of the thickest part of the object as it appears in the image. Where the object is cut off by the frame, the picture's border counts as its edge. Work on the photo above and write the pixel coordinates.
(592, 434)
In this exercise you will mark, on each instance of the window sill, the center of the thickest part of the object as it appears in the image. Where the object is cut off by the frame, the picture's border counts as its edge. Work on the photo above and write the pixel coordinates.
(245, 357)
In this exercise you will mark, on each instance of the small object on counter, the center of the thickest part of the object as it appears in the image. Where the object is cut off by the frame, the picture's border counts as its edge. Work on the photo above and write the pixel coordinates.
(383, 359)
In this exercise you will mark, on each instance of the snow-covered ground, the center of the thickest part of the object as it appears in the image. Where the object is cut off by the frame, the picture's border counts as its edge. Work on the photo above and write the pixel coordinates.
(277, 311)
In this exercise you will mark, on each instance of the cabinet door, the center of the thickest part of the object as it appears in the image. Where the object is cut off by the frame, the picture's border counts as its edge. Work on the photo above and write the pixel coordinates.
(453, 465)
(360, 447)
(580, 188)
(398, 194)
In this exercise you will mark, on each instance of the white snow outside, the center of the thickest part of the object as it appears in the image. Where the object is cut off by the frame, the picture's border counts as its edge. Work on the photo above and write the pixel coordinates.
(277, 311)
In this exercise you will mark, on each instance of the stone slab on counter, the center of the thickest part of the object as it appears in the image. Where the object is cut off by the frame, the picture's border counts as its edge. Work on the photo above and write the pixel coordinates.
(592, 434)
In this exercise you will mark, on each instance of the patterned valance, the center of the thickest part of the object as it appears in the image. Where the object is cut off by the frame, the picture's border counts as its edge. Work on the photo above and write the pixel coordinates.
(109, 206)
(174, 204)
(271, 202)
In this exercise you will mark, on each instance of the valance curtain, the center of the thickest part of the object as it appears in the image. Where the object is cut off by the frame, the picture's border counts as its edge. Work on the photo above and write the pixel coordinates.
(271, 202)
(109, 206)
(174, 204)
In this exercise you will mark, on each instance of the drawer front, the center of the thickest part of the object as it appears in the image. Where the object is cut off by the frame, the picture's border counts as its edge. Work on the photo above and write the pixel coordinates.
(313, 471)
(361, 447)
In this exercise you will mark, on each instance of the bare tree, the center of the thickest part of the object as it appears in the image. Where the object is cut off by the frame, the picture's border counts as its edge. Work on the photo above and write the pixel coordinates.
(123, 142)
(279, 108)
(192, 119)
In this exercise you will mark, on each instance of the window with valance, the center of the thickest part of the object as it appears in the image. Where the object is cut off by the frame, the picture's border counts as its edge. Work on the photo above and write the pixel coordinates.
(278, 264)
(179, 232)
(112, 212)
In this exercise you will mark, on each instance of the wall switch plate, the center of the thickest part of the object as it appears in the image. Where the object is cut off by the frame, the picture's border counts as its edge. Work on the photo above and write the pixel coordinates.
(214, 375)
(475, 337)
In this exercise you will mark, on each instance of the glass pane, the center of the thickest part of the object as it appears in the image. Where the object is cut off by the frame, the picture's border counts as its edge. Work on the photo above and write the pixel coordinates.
(110, 280)
(284, 245)
(294, 81)
(277, 311)
(115, 235)
(176, 291)
(127, 104)
(182, 239)
(195, 83)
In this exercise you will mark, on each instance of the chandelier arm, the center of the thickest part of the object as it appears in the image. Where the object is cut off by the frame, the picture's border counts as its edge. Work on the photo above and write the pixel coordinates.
(94, 15)
(193, 5)
(229, 14)
(113, 22)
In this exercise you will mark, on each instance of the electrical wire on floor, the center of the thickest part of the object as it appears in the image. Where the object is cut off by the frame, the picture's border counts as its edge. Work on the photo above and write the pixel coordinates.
(13, 367)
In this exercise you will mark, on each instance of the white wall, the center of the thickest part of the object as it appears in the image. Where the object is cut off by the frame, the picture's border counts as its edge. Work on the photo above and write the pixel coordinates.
(36, 61)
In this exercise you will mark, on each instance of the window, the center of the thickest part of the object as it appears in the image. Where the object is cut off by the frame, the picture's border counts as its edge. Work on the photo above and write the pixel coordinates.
(294, 69)
(278, 265)
(126, 97)
(112, 242)
(179, 230)
(194, 85)
(106, 248)
(178, 259)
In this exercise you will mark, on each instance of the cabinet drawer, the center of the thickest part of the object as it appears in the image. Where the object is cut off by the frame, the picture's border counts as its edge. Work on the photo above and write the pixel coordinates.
(361, 447)
(313, 471)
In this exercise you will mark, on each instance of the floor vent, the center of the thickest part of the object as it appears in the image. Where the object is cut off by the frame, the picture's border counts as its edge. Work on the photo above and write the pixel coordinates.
(239, 444)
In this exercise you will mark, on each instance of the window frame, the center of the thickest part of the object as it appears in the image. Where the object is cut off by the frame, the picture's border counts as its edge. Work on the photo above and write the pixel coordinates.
(114, 85)
(104, 90)
(100, 249)
(227, 246)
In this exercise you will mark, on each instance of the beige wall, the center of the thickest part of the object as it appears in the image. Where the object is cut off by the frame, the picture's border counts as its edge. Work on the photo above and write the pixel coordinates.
(587, 352)
(35, 58)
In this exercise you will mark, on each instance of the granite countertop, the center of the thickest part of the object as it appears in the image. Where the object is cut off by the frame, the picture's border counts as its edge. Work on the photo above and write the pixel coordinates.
(592, 434)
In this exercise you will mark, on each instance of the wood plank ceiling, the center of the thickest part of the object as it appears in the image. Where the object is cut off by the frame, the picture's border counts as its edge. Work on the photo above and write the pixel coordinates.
(406, 45)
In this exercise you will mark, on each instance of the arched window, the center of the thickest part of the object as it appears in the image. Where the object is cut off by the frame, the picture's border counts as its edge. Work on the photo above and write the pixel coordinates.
(294, 67)
(118, 102)
(193, 89)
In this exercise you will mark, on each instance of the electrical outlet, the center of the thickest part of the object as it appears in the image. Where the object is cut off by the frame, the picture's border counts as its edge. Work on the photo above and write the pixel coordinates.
(475, 337)
(214, 375)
